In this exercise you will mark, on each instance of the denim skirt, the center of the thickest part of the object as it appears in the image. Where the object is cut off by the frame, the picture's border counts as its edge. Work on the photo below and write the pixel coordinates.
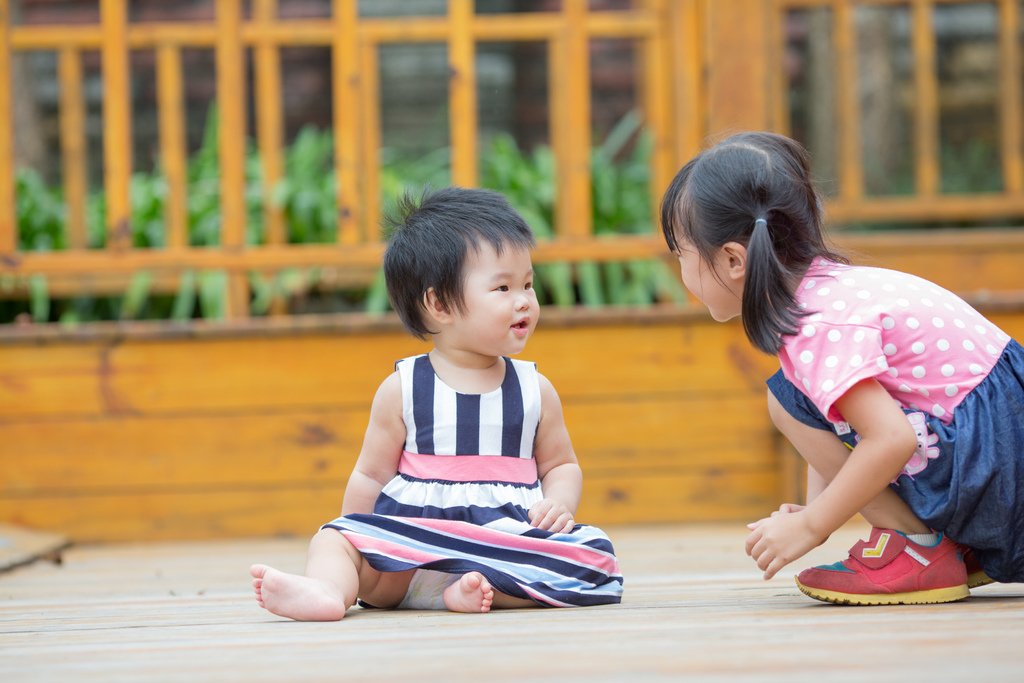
(974, 490)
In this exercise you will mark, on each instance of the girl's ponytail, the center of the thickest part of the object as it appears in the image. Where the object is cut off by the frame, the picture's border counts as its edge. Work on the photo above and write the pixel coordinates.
(769, 308)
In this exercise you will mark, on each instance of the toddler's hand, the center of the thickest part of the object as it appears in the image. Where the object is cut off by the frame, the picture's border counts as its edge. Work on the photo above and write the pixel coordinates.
(784, 509)
(776, 541)
(550, 515)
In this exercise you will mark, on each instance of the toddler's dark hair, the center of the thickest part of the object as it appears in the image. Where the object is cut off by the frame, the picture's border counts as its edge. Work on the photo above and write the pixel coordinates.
(429, 241)
(722, 194)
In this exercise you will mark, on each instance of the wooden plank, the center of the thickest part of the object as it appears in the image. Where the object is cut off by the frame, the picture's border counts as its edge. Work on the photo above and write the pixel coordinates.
(117, 140)
(72, 145)
(737, 80)
(173, 145)
(369, 101)
(462, 95)
(346, 89)
(1010, 103)
(269, 125)
(694, 608)
(851, 164)
(231, 146)
(19, 547)
(319, 444)
(572, 68)
(8, 209)
(926, 99)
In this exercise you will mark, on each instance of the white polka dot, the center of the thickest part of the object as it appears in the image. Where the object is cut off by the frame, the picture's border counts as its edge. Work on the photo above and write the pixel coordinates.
(942, 345)
(903, 302)
(959, 323)
(980, 328)
(888, 323)
(856, 361)
(824, 291)
(815, 317)
(858, 336)
(904, 388)
(827, 385)
(807, 384)
(938, 411)
(831, 362)
(889, 287)
(834, 335)
(975, 369)
(917, 347)
(927, 302)
(992, 351)
(948, 370)
(889, 349)
(806, 356)
(864, 295)
(880, 362)
(894, 372)
(913, 323)
(839, 305)
(849, 281)
(803, 304)
(809, 330)
(917, 371)
(809, 284)
(968, 344)
(924, 392)
(938, 322)
(951, 390)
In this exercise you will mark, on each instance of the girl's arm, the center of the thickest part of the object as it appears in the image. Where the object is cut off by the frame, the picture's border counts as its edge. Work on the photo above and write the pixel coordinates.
(560, 475)
(382, 448)
(887, 441)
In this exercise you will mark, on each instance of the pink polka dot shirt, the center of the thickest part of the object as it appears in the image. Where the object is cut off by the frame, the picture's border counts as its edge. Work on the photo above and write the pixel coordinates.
(925, 345)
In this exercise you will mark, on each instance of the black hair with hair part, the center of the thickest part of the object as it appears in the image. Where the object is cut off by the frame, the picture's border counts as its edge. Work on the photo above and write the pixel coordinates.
(755, 189)
(429, 240)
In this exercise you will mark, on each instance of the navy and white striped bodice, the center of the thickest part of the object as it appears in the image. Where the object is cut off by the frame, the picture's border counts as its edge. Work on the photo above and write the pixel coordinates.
(442, 421)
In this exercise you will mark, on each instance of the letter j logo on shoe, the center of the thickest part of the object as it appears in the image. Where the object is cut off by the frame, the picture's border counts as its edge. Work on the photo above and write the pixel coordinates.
(879, 548)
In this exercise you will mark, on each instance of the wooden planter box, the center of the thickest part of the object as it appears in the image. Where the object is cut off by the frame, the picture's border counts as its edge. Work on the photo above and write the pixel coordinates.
(128, 432)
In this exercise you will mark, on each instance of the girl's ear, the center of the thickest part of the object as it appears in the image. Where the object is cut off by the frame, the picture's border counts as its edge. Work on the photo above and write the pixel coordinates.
(436, 310)
(733, 260)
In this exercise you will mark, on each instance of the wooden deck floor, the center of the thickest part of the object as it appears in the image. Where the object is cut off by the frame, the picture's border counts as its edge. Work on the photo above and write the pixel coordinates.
(695, 608)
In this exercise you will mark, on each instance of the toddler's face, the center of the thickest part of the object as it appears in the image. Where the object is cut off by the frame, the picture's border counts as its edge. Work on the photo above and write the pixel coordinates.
(500, 305)
(708, 282)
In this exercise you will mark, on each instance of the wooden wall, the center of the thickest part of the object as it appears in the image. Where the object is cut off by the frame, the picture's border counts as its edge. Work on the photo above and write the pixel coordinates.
(251, 428)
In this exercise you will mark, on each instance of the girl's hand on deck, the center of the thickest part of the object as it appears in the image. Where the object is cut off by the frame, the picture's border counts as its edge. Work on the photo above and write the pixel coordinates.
(550, 515)
(776, 541)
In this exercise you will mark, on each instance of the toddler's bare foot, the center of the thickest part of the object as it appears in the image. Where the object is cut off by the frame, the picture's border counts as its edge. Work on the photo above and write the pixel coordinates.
(296, 597)
(471, 593)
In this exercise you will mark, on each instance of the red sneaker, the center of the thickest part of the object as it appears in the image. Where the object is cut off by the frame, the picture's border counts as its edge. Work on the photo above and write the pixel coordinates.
(890, 569)
(976, 576)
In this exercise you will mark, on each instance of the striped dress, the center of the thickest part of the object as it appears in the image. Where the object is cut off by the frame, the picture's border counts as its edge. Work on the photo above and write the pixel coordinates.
(465, 482)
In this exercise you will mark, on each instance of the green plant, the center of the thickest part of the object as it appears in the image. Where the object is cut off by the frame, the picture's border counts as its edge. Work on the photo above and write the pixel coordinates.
(307, 199)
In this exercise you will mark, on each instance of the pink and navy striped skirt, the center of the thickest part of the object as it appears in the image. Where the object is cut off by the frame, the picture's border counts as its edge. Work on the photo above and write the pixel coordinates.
(463, 513)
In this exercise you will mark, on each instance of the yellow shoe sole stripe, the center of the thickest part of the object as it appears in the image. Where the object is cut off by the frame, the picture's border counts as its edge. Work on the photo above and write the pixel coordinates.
(928, 597)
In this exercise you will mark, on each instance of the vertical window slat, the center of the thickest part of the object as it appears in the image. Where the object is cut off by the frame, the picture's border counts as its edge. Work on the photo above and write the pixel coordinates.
(655, 84)
(462, 94)
(573, 210)
(269, 118)
(117, 132)
(72, 144)
(1010, 96)
(171, 114)
(926, 90)
(371, 137)
(8, 210)
(347, 90)
(851, 176)
(231, 138)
